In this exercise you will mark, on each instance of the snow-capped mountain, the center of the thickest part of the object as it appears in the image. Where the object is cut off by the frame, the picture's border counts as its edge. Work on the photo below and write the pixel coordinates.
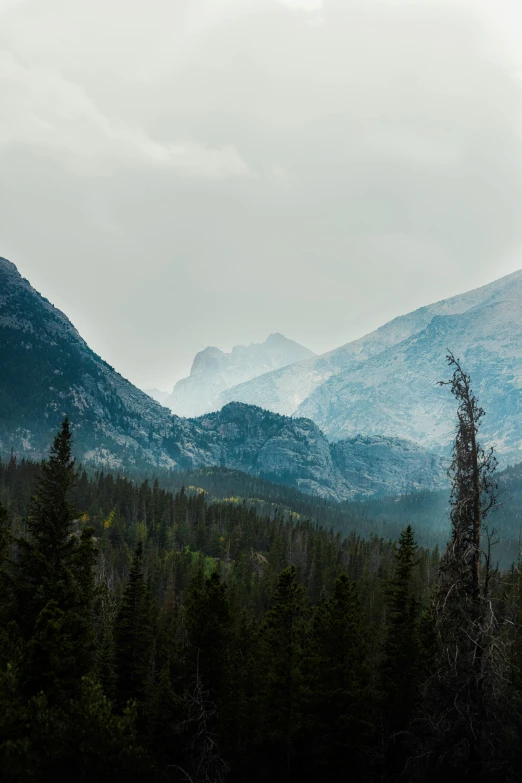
(213, 371)
(48, 371)
(385, 383)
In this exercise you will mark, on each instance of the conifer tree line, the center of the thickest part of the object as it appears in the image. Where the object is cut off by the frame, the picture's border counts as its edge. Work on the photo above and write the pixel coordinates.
(151, 635)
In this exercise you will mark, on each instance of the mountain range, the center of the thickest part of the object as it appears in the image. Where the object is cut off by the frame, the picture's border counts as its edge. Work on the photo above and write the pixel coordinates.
(385, 383)
(213, 371)
(49, 371)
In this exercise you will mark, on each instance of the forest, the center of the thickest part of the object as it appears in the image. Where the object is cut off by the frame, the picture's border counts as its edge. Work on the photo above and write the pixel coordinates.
(159, 634)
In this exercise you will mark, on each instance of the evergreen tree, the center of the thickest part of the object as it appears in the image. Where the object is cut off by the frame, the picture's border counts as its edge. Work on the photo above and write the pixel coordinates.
(55, 573)
(208, 624)
(207, 618)
(47, 553)
(401, 654)
(164, 709)
(55, 720)
(238, 712)
(81, 740)
(8, 626)
(281, 655)
(339, 703)
(134, 635)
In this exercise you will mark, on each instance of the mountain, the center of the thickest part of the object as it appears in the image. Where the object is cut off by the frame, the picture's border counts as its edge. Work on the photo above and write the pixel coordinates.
(284, 390)
(397, 392)
(214, 371)
(49, 371)
(295, 452)
(385, 382)
(157, 394)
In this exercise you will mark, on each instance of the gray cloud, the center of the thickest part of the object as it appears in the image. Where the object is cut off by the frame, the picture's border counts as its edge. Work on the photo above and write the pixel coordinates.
(182, 173)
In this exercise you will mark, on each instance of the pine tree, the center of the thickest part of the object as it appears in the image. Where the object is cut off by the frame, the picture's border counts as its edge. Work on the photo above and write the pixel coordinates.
(55, 571)
(400, 666)
(8, 626)
(46, 555)
(207, 619)
(134, 635)
(208, 625)
(339, 700)
(165, 707)
(55, 720)
(281, 656)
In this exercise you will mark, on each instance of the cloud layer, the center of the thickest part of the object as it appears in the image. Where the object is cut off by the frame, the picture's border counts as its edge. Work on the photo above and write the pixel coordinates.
(182, 173)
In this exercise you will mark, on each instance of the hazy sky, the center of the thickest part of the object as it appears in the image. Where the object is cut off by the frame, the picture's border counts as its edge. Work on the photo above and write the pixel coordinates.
(179, 173)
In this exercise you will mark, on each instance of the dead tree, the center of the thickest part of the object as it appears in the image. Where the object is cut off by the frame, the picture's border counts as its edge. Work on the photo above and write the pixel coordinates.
(465, 694)
(204, 760)
(474, 490)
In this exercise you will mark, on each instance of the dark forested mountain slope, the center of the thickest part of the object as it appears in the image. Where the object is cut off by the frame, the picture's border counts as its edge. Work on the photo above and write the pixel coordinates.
(49, 371)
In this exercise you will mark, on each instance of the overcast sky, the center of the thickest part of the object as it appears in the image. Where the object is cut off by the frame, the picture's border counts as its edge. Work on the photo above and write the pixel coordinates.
(179, 173)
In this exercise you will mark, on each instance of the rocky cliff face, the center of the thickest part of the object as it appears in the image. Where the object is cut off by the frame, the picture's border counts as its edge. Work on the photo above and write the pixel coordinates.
(214, 371)
(48, 371)
(295, 452)
(373, 465)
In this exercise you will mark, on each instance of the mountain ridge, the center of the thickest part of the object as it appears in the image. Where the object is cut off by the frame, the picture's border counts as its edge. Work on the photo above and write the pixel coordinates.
(314, 388)
(213, 371)
(382, 395)
(50, 371)
(284, 390)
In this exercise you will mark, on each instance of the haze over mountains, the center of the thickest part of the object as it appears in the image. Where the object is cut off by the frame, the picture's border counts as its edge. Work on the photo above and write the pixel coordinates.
(368, 418)
(213, 371)
(48, 371)
(386, 382)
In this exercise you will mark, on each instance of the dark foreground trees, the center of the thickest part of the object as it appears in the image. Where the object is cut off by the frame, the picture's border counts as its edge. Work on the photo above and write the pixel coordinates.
(55, 718)
(339, 704)
(154, 636)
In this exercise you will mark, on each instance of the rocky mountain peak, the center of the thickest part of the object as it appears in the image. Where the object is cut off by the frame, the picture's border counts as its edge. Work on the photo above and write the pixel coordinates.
(8, 268)
(380, 382)
(207, 360)
(24, 309)
(214, 371)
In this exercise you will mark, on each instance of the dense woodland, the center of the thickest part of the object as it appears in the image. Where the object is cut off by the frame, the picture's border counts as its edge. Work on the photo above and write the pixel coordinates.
(152, 634)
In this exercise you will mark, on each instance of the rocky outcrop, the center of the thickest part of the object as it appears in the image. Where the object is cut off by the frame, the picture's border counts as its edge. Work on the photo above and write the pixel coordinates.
(295, 452)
